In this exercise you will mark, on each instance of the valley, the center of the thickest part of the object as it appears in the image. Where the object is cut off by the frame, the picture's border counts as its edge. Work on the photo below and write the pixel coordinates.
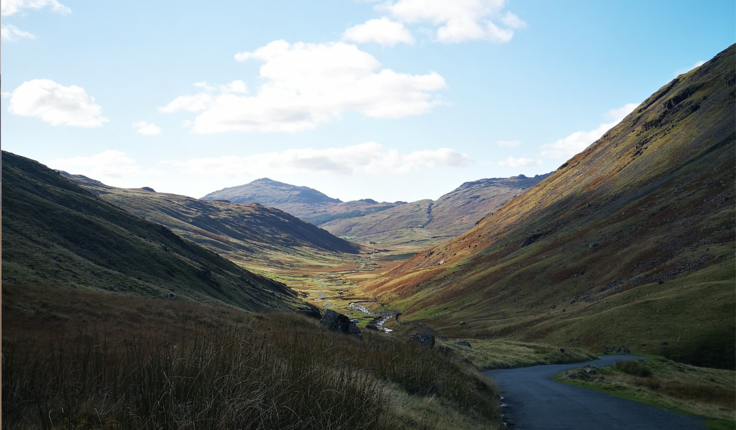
(628, 247)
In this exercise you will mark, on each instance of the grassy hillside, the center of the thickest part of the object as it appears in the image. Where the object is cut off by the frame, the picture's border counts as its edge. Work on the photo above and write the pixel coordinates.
(77, 359)
(250, 234)
(629, 242)
(57, 234)
(426, 222)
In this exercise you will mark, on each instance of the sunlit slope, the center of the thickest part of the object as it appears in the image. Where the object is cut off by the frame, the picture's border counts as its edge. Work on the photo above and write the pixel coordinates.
(252, 234)
(426, 222)
(651, 201)
(57, 234)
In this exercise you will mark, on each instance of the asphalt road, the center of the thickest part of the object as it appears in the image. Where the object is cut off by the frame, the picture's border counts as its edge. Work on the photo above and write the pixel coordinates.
(535, 402)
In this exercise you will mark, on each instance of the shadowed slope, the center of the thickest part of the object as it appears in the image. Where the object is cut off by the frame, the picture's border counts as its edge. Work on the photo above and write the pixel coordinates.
(250, 233)
(649, 202)
(55, 233)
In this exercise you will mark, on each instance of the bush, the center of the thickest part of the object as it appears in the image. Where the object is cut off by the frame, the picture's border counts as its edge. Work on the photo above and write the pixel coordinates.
(634, 368)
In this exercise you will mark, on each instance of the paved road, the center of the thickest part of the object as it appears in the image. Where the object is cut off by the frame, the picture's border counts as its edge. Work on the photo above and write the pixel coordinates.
(536, 402)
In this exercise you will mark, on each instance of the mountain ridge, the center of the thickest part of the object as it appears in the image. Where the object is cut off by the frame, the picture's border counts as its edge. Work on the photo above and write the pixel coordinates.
(57, 234)
(648, 205)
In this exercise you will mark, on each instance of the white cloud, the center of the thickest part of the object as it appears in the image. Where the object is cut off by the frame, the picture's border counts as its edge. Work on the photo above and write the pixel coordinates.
(146, 129)
(458, 20)
(383, 31)
(520, 162)
(369, 157)
(578, 141)
(56, 104)
(307, 85)
(11, 7)
(508, 143)
(110, 167)
(12, 33)
(678, 72)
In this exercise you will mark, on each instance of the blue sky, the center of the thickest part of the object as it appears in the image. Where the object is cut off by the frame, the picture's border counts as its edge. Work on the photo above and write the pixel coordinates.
(390, 100)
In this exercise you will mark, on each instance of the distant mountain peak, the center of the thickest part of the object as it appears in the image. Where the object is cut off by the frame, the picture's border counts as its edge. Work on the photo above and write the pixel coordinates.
(268, 192)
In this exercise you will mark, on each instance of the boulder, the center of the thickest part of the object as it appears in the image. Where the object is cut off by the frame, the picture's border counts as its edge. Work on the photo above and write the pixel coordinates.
(464, 343)
(372, 327)
(462, 322)
(310, 313)
(562, 350)
(424, 339)
(340, 323)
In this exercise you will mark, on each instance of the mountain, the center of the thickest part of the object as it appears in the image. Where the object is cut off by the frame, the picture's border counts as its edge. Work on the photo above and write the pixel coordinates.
(56, 234)
(426, 222)
(631, 242)
(250, 234)
(269, 193)
(414, 225)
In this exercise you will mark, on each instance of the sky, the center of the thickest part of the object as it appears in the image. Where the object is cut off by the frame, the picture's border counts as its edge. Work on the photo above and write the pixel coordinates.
(389, 100)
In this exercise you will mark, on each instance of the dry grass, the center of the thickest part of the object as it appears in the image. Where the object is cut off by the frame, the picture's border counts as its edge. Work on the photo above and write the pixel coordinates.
(76, 359)
(666, 384)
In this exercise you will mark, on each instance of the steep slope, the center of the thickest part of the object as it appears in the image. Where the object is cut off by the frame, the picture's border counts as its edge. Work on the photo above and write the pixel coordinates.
(252, 234)
(57, 234)
(269, 193)
(631, 240)
(426, 222)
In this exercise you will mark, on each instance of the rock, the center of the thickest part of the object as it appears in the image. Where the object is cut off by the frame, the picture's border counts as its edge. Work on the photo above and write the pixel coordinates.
(562, 350)
(593, 245)
(463, 343)
(446, 350)
(664, 343)
(372, 327)
(617, 350)
(462, 322)
(424, 339)
(55, 257)
(340, 323)
(310, 313)
(149, 189)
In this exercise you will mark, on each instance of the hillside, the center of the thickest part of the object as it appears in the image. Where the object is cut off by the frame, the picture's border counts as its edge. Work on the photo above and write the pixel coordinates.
(269, 193)
(427, 222)
(411, 225)
(630, 242)
(250, 234)
(56, 234)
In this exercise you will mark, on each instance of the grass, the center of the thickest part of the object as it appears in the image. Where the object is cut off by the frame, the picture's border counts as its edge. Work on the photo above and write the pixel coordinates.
(665, 384)
(505, 354)
(78, 359)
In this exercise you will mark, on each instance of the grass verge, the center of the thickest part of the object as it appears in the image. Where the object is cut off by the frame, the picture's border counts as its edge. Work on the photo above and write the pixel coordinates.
(665, 384)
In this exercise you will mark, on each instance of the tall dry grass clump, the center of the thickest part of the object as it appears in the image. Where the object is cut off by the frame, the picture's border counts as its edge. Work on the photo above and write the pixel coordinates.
(272, 372)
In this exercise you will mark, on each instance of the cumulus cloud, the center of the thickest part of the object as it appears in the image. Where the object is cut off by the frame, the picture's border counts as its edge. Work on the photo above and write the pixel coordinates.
(508, 143)
(458, 20)
(56, 104)
(306, 85)
(369, 157)
(11, 7)
(146, 129)
(520, 162)
(111, 167)
(578, 141)
(11, 33)
(678, 72)
(383, 31)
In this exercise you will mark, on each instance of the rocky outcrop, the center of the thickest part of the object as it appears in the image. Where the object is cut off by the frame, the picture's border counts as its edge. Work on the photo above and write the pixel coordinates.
(464, 343)
(339, 323)
(424, 339)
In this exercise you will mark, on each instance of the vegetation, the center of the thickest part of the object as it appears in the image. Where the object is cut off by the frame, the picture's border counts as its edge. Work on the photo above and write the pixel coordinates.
(55, 233)
(67, 364)
(630, 243)
(665, 384)
(505, 354)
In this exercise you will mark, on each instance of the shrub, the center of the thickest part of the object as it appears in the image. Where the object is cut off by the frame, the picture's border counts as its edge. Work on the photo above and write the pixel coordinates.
(635, 368)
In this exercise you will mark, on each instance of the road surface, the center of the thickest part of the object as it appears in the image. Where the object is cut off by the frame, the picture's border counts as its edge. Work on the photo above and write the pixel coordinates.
(535, 402)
